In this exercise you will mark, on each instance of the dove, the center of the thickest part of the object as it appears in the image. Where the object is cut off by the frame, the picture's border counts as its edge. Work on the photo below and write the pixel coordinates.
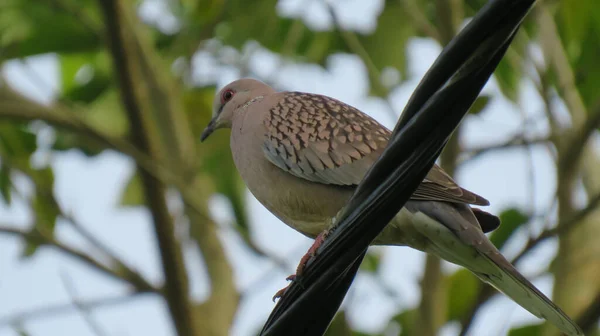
(302, 155)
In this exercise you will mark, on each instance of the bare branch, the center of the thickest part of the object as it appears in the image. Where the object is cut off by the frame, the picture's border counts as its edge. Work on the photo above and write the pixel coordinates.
(431, 312)
(66, 308)
(86, 234)
(588, 321)
(119, 33)
(84, 311)
(16, 107)
(486, 292)
(515, 142)
(123, 273)
(562, 228)
(432, 309)
(419, 19)
(358, 49)
(75, 11)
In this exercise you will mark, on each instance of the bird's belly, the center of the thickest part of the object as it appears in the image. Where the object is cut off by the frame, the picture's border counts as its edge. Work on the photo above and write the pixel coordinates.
(305, 206)
(309, 209)
(304, 209)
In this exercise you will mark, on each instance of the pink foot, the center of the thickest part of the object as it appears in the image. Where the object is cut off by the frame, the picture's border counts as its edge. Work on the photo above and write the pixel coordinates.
(312, 251)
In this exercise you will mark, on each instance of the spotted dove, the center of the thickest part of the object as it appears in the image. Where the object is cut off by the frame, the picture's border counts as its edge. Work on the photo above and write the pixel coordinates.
(301, 155)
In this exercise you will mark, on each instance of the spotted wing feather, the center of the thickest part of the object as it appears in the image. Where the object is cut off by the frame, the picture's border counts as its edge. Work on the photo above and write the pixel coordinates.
(324, 140)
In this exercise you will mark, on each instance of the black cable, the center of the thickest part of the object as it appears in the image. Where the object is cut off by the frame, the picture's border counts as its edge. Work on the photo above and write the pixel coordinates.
(435, 109)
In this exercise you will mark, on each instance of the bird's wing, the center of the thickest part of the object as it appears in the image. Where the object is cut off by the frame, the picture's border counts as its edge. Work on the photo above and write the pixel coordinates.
(324, 140)
(454, 236)
(439, 186)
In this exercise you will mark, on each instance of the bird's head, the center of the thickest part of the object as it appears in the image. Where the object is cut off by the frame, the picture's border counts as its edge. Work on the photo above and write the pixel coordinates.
(231, 99)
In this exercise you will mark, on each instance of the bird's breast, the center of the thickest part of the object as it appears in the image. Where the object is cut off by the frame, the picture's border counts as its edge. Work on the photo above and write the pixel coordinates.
(303, 205)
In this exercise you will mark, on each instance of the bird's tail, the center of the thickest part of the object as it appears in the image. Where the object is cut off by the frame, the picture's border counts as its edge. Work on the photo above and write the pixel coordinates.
(475, 252)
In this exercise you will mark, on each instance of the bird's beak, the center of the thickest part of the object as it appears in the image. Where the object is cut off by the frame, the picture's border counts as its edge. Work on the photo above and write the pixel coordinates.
(208, 130)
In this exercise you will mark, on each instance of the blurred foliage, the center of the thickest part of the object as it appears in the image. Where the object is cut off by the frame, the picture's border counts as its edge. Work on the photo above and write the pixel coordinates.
(88, 93)
(463, 288)
(511, 220)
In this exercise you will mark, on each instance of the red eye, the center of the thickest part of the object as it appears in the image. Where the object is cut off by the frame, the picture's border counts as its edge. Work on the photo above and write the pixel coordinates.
(226, 96)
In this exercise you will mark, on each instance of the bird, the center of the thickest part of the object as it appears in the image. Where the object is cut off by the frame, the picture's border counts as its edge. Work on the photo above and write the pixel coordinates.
(302, 155)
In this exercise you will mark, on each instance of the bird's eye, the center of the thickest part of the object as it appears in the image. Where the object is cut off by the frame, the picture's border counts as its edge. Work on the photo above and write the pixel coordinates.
(226, 96)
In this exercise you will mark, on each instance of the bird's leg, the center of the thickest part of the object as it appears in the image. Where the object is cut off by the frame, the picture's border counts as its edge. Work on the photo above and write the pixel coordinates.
(312, 251)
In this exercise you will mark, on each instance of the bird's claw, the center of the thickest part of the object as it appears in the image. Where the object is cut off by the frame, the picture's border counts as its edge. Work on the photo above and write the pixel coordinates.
(312, 251)
(280, 292)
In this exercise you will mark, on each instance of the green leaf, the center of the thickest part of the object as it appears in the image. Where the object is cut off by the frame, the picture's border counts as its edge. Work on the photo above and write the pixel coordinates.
(511, 220)
(462, 292)
(479, 104)
(530, 330)
(339, 326)
(16, 141)
(509, 72)
(5, 183)
(219, 168)
(585, 68)
(84, 76)
(38, 27)
(65, 141)
(133, 194)
(371, 262)
(245, 21)
(20, 330)
(203, 11)
(386, 47)
(576, 20)
(29, 249)
(43, 202)
(106, 114)
(407, 320)
(70, 64)
(17, 144)
(508, 78)
(198, 106)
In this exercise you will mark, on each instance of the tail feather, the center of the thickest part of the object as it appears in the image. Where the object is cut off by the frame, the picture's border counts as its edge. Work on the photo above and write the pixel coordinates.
(470, 248)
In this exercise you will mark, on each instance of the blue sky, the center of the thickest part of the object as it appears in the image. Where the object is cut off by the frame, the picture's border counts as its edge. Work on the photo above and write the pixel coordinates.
(90, 189)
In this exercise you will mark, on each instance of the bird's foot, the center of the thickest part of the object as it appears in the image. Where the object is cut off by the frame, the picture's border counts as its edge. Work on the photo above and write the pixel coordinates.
(280, 292)
(312, 251)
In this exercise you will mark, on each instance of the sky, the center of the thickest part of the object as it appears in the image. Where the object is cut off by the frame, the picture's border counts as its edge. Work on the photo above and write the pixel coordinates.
(89, 189)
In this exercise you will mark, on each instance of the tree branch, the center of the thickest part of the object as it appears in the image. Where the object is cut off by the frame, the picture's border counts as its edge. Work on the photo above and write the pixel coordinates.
(14, 106)
(515, 142)
(574, 148)
(562, 228)
(432, 308)
(83, 310)
(120, 272)
(356, 47)
(176, 287)
(419, 19)
(588, 321)
(65, 308)
(485, 293)
(574, 247)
